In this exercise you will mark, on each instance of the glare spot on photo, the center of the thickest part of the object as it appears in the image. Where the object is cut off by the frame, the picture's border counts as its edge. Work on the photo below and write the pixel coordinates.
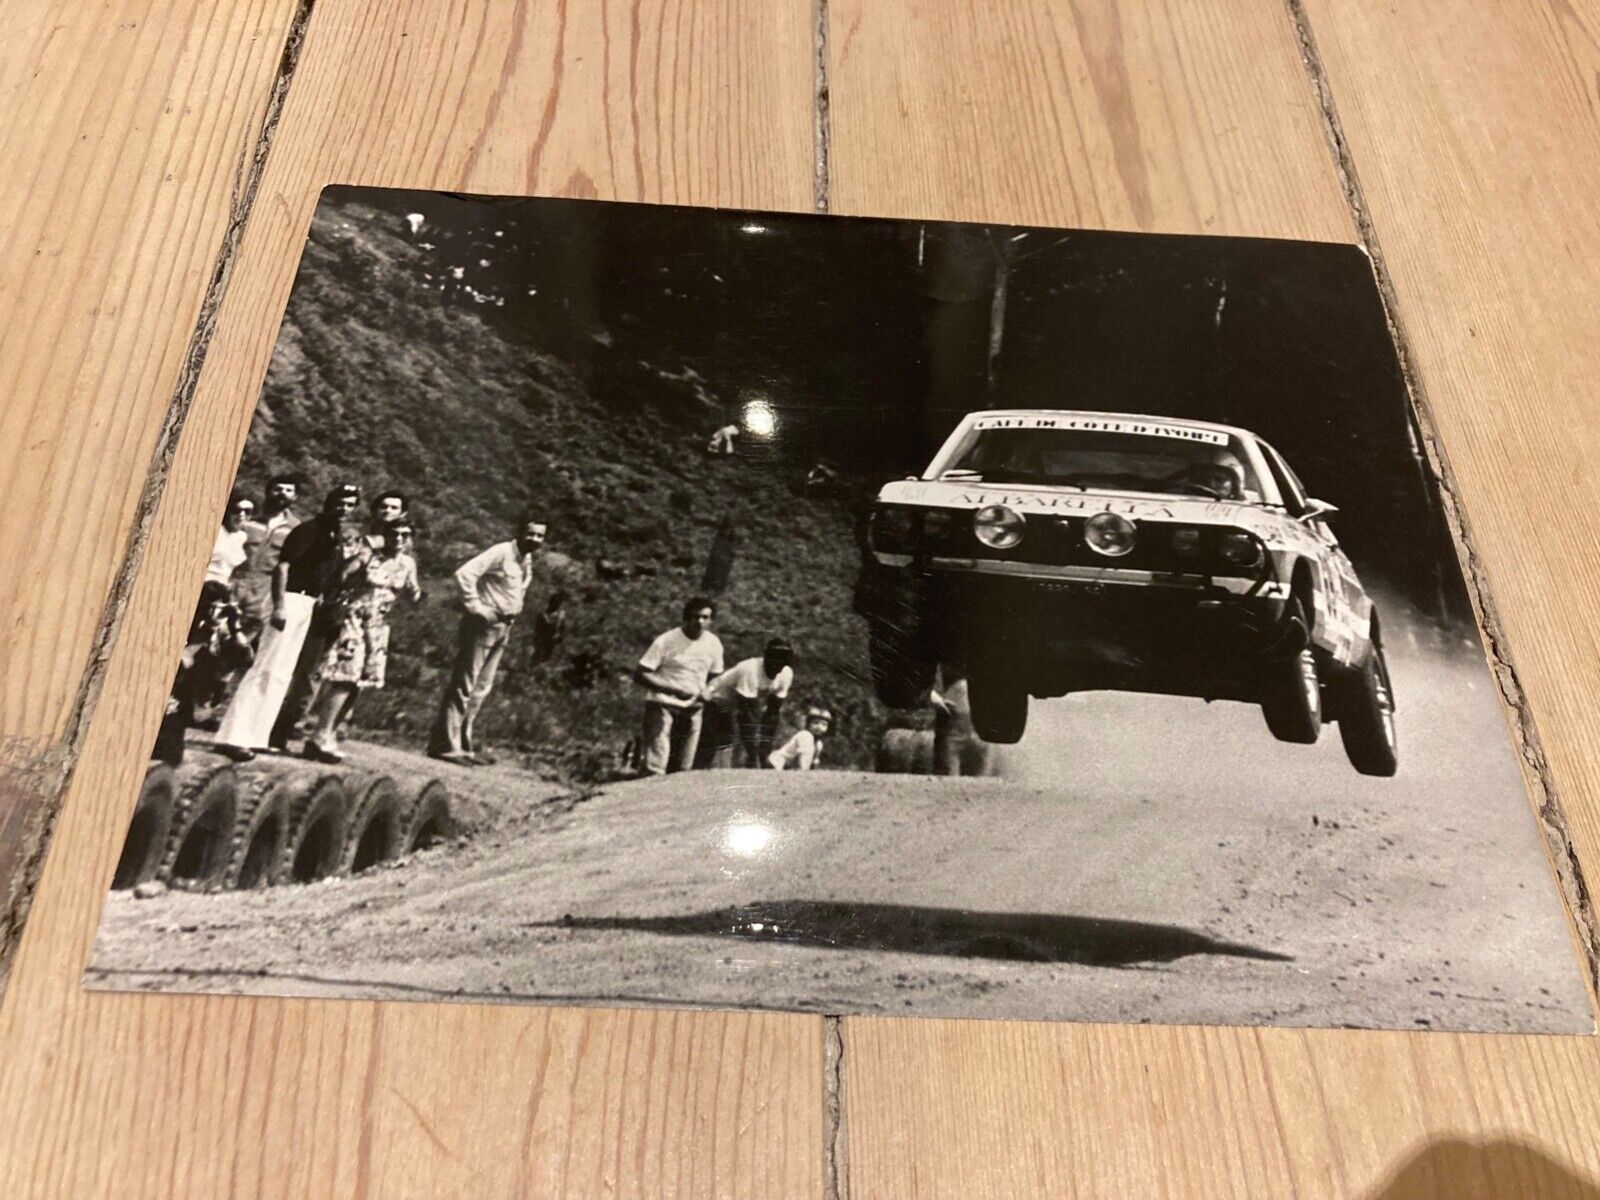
(753, 227)
(760, 418)
(746, 837)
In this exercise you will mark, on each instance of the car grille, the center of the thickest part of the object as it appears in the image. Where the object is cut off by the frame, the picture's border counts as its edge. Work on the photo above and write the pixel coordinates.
(1058, 541)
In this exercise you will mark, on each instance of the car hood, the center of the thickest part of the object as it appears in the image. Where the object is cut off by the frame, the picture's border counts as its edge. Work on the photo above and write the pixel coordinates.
(1055, 501)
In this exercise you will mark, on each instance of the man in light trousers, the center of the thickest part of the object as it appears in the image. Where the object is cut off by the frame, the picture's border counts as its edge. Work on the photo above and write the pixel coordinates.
(674, 672)
(493, 587)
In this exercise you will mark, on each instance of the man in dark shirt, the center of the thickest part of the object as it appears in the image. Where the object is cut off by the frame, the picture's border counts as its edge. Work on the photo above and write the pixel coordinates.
(276, 691)
(312, 564)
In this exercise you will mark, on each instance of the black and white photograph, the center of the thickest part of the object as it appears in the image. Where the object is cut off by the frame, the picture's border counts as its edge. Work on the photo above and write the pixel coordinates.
(637, 605)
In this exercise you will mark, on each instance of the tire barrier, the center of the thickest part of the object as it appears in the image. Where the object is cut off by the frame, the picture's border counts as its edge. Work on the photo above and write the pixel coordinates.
(146, 843)
(428, 819)
(260, 832)
(212, 825)
(905, 752)
(376, 828)
(200, 836)
(321, 814)
(919, 752)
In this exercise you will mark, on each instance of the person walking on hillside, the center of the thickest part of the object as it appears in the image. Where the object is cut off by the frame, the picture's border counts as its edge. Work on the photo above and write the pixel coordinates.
(358, 657)
(742, 707)
(309, 567)
(493, 587)
(674, 672)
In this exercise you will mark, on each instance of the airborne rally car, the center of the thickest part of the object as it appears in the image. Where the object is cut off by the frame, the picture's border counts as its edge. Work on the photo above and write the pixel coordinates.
(1048, 552)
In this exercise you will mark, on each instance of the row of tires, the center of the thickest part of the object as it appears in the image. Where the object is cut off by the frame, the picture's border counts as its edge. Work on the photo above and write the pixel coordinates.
(214, 825)
(924, 752)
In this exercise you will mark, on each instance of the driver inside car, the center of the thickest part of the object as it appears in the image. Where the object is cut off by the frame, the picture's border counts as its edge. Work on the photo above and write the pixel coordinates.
(1222, 479)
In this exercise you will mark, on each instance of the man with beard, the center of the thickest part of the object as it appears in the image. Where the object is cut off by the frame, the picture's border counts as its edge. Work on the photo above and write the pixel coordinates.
(263, 542)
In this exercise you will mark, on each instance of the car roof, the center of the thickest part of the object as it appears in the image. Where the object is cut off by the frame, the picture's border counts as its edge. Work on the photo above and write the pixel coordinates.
(1120, 416)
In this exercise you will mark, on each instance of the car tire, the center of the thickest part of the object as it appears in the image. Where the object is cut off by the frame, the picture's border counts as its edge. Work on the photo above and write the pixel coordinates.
(999, 708)
(1366, 717)
(1292, 690)
(901, 674)
(146, 839)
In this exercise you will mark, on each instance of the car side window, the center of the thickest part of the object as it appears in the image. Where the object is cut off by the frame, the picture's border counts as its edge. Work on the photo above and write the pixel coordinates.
(1294, 496)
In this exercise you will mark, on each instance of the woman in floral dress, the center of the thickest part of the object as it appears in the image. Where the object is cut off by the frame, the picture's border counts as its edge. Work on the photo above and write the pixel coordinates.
(358, 655)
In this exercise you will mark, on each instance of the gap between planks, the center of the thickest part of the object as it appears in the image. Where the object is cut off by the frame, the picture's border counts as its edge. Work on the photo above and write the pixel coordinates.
(54, 766)
(1558, 837)
(63, 757)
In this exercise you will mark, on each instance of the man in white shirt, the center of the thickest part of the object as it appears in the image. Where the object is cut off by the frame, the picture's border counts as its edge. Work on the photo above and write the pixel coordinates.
(742, 706)
(674, 672)
(493, 587)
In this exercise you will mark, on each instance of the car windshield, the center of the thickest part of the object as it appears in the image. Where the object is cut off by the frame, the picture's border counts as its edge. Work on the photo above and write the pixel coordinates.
(1082, 458)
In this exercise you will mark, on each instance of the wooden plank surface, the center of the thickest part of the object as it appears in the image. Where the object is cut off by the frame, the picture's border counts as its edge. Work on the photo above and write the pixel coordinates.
(1480, 174)
(129, 1097)
(124, 158)
(1473, 138)
(1168, 116)
(1203, 118)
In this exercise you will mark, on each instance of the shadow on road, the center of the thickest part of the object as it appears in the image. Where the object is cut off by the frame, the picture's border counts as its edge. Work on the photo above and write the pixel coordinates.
(960, 933)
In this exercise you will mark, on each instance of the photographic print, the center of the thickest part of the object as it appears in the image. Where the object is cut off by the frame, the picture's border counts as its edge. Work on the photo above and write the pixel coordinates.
(625, 604)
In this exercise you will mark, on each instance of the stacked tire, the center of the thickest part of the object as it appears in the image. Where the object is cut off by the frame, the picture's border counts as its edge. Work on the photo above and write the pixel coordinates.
(212, 825)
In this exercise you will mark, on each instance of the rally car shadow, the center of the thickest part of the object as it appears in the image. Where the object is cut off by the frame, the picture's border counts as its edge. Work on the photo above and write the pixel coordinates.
(959, 933)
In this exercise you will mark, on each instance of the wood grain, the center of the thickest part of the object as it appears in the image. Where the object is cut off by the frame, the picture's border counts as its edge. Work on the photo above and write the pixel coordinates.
(131, 1097)
(1202, 118)
(1472, 135)
(1479, 175)
(123, 161)
(1177, 117)
(116, 194)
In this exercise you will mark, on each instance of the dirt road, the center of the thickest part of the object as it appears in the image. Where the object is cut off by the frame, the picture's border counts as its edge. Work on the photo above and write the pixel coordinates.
(1273, 886)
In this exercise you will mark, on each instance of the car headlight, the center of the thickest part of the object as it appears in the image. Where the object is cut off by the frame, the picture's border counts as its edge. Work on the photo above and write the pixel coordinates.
(893, 529)
(1111, 534)
(998, 527)
(1240, 549)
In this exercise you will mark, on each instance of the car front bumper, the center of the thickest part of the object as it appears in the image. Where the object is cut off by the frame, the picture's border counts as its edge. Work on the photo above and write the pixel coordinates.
(1071, 628)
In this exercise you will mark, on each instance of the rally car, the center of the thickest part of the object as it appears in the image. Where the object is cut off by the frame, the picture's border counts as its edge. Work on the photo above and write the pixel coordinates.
(1047, 552)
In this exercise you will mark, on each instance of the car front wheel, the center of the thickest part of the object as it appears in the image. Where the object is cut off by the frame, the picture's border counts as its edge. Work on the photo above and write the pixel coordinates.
(1292, 690)
(1366, 719)
(999, 708)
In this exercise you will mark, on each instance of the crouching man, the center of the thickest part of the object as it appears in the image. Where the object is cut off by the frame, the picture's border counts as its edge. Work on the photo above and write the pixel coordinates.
(742, 708)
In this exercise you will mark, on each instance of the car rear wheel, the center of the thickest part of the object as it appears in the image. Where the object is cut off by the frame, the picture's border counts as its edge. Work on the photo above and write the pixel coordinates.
(1292, 692)
(999, 707)
(1366, 718)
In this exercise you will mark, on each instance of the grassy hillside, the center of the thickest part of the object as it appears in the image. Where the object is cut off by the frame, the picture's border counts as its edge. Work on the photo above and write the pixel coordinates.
(382, 376)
